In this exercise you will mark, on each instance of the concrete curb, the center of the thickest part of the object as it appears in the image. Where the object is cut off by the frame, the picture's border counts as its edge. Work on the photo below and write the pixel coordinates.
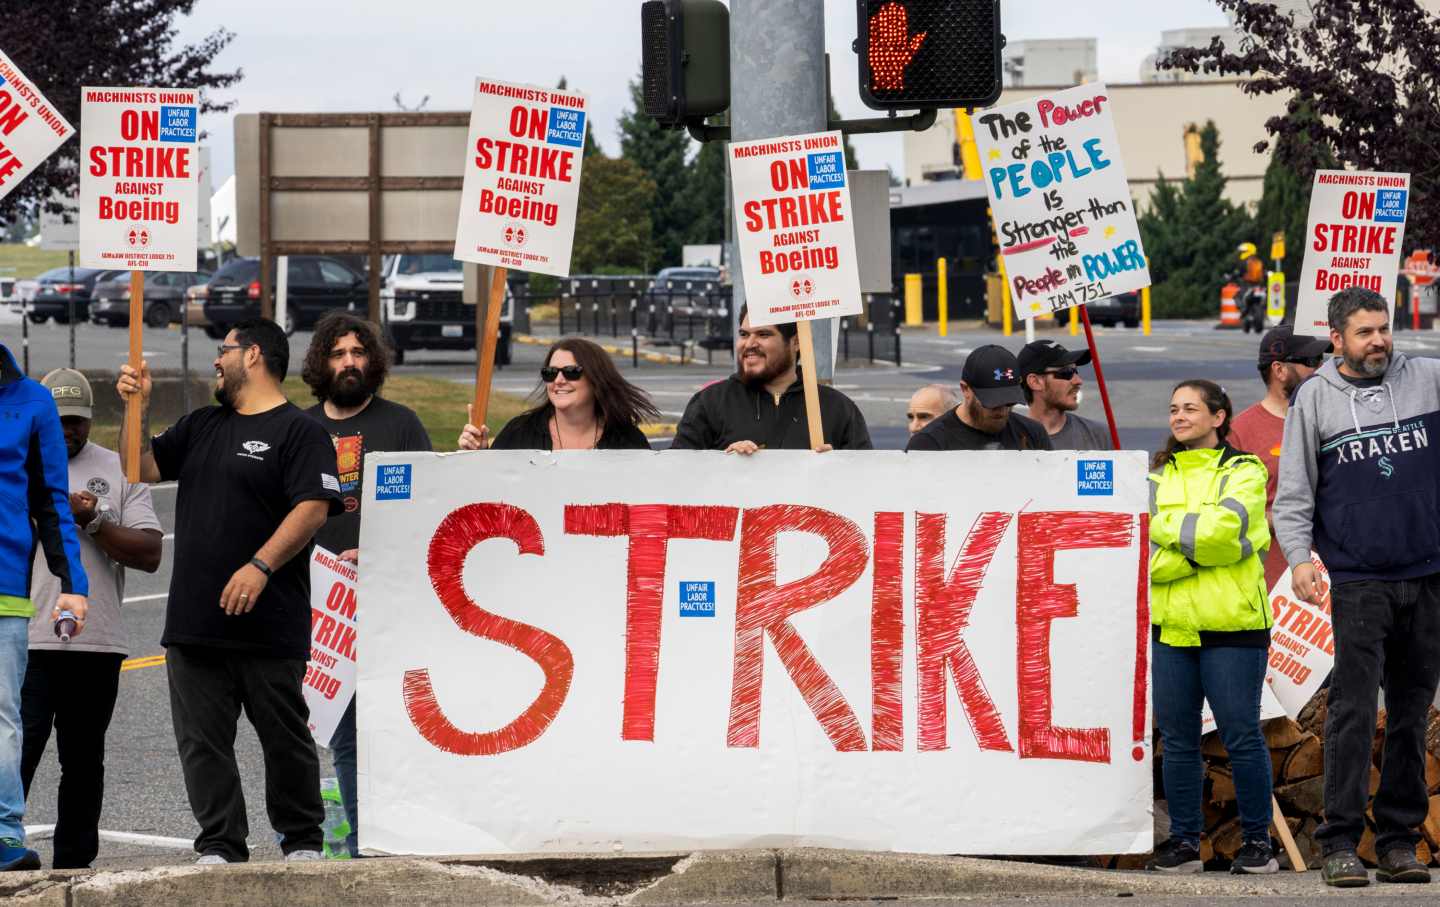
(612, 349)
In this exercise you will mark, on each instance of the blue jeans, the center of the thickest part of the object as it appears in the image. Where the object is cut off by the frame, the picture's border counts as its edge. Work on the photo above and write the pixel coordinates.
(14, 653)
(342, 753)
(1230, 679)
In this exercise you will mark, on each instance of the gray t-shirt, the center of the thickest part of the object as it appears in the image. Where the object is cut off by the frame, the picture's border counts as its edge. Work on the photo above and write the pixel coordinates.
(97, 471)
(1080, 433)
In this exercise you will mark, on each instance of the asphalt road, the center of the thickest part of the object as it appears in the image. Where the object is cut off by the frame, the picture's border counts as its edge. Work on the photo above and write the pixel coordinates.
(145, 794)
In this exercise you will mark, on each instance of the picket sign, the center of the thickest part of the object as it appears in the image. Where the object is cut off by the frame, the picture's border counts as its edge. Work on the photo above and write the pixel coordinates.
(330, 674)
(30, 128)
(640, 651)
(1354, 237)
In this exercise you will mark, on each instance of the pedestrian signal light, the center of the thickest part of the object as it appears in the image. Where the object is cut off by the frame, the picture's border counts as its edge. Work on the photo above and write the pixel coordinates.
(685, 50)
(919, 54)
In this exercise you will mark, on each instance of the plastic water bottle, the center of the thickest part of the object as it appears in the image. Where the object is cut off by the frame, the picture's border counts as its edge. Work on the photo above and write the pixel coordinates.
(335, 828)
(65, 625)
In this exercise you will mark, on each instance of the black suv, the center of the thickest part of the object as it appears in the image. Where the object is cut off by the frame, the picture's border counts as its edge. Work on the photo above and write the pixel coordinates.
(316, 285)
(164, 297)
(55, 289)
(1122, 308)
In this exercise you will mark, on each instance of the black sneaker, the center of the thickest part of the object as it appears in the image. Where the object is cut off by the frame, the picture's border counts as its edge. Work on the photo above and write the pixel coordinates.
(1176, 857)
(1255, 857)
(1398, 864)
(1343, 869)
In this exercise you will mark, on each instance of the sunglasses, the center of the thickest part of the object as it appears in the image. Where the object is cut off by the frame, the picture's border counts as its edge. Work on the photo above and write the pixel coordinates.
(1312, 362)
(571, 372)
(1064, 374)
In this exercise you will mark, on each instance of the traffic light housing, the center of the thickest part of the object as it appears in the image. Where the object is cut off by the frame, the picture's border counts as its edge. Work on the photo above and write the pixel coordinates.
(918, 54)
(685, 46)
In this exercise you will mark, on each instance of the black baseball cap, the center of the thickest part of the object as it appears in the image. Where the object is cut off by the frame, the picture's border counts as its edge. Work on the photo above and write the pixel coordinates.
(1047, 354)
(1282, 344)
(994, 375)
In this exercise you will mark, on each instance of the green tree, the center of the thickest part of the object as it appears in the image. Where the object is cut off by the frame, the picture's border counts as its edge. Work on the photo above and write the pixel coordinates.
(613, 227)
(834, 115)
(705, 195)
(1190, 234)
(660, 154)
(1285, 205)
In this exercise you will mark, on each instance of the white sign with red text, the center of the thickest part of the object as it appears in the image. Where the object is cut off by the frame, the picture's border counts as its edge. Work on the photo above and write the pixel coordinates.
(1354, 238)
(795, 228)
(1302, 642)
(139, 172)
(330, 675)
(30, 129)
(594, 651)
(522, 177)
(1063, 212)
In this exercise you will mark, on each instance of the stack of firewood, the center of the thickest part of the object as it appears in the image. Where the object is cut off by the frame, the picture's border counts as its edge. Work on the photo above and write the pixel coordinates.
(1297, 759)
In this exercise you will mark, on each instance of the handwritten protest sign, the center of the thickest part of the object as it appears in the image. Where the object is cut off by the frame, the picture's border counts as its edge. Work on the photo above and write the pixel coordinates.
(138, 178)
(1063, 212)
(330, 675)
(795, 228)
(1354, 239)
(30, 129)
(593, 652)
(522, 177)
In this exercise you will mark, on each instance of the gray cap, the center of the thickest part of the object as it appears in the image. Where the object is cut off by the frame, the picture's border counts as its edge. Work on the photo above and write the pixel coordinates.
(72, 393)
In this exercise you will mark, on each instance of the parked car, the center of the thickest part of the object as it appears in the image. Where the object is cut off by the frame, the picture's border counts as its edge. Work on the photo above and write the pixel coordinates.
(316, 284)
(56, 288)
(422, 297)
(164, 295)
(195, 311)
(691, 290)
(1113, 310)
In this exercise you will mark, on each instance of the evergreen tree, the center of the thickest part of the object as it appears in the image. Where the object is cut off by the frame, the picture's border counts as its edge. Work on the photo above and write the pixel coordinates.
(705, 195)
(834, 115)
(613, 229)
(660, 154)
(1285, 204)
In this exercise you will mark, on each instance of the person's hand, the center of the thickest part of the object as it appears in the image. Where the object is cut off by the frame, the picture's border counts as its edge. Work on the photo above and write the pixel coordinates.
(472, 437)
(243, 590)
(75, 604)
(132, 382)
(82, 505)
(743, 448)
(1305, 583)
(350, 555)
(824, 448)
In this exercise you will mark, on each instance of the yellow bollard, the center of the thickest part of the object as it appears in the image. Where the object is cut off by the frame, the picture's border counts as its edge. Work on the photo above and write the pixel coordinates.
(914, 301)
(1145, 311)
(1074, 321)
(1005, 316)
(944, 289)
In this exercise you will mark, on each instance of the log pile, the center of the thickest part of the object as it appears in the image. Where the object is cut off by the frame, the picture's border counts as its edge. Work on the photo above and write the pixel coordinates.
(1297, 759)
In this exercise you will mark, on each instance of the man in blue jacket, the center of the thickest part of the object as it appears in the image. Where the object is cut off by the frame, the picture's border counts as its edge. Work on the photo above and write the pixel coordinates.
(34, 509)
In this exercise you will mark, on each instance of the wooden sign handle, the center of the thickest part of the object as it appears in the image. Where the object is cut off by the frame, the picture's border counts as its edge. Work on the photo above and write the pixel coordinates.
(137, 356)
(1297, 859)
(486, 342)
(812, 386)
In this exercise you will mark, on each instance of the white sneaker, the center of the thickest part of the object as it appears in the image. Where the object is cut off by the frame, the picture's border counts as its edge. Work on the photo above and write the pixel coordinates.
(302, 856)
(211, 859)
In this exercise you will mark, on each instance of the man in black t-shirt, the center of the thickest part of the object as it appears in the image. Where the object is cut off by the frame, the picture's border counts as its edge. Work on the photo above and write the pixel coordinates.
(345, 367)
(990, 381)
(256, 480)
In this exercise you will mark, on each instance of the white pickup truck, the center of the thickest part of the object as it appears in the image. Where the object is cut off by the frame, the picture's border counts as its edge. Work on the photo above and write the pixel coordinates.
(421, 296)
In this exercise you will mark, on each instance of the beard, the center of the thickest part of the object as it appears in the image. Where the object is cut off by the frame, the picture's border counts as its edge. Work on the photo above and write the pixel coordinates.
(228, 389)
(1363, 366)
(351, 387)
(773, 369)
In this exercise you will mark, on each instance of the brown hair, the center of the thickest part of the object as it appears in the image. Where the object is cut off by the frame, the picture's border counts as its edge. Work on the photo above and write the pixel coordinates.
(617, 401)
(316, 370)
(1215, 400)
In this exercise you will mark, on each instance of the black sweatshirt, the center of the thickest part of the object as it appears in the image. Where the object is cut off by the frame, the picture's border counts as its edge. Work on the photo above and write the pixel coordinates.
(730, 410)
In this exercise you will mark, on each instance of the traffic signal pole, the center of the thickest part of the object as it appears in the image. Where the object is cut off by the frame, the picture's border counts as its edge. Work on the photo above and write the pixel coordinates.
(777, 87)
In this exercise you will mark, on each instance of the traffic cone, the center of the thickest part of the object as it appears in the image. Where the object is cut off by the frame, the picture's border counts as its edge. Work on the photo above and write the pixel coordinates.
(1229, 310)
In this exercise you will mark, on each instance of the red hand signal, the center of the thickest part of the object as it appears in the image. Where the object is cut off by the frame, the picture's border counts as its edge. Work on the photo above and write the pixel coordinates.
(892, 46)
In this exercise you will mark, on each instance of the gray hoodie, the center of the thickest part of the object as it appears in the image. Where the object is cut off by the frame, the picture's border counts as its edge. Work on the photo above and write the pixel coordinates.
(1358, 476)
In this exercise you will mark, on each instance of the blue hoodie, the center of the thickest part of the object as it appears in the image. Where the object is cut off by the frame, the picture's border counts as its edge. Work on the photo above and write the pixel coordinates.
(34, 491)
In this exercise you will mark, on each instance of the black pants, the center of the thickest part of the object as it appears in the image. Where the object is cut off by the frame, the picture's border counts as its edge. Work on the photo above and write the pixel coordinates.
(73, 692)
(208, 688)
(1390, 632)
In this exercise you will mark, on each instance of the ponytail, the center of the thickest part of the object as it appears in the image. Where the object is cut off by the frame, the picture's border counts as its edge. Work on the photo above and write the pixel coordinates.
(1215, 399)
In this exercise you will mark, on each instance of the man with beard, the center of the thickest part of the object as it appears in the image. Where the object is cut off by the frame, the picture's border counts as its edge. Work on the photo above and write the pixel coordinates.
(762, 405)
(990, 381)
(256, 480)
(1286, 359)
(345, 368)
(1358, 485)
(1051, 382)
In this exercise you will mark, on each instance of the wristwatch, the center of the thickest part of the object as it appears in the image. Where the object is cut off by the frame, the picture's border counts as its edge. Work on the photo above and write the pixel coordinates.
(104, 513)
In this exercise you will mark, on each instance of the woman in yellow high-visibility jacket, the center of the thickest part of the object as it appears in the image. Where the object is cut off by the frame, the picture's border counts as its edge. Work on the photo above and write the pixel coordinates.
(1211, 616)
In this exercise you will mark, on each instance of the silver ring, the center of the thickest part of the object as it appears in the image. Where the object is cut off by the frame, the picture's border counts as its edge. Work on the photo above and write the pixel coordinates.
(244, 594)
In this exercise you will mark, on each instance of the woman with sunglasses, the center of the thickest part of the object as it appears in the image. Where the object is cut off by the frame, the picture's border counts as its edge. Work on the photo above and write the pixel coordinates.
(582, 403)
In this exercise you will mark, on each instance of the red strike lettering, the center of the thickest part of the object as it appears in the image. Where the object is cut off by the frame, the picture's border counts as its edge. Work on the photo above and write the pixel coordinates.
(787, 211)
(155, 163)
(525, 160)
(9, 163)
(887, 635)
(457, 534)
(1349, 239)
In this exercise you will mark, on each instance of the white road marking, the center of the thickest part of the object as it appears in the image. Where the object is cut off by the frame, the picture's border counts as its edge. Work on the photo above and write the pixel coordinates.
(1149, 349)
(145, 598)
(45, 832)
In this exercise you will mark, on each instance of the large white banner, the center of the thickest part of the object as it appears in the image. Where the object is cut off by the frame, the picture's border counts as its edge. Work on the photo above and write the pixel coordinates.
(627, 650)
(1354, 237)
(30, 129)
(795, 228)
(139, 172)
(522, 177)
(1063, 212)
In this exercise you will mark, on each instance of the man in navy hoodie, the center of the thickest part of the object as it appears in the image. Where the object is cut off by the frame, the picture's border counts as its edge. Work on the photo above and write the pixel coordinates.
(1359, 483)
(34, 509)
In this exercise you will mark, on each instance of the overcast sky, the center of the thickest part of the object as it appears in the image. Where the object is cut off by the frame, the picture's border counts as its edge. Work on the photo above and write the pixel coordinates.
(354, 55)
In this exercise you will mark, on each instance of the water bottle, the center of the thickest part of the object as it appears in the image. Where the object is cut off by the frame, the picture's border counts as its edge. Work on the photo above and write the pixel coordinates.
(335, 828)
(65, 625)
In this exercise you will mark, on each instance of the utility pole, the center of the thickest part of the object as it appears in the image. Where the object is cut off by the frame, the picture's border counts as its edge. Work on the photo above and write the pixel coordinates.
(777, 87)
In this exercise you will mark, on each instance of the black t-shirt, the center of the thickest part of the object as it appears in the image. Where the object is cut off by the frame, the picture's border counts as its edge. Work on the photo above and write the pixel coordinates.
(531, 431)
(240, 476)
(381, 426)
(947, 432)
